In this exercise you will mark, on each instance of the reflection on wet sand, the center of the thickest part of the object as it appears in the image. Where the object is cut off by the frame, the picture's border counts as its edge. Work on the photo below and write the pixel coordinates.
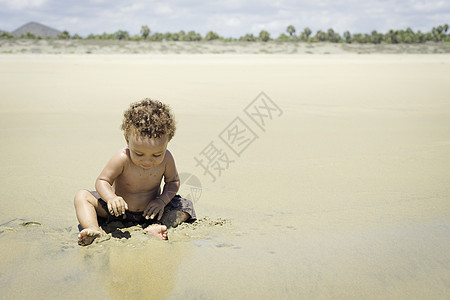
(138, 267)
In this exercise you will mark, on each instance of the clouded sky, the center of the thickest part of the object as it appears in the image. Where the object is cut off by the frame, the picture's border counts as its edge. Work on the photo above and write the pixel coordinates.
(229, 18)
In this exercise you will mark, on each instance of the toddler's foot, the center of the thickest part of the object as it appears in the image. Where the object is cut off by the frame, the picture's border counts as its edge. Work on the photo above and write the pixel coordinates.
(87, 236)
(157, 230)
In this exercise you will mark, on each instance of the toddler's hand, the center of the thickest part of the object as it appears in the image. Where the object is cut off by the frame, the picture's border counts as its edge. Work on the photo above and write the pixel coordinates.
(154, 208)
(117, 206)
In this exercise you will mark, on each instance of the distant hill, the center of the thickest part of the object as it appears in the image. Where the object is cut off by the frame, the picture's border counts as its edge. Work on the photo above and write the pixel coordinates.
(37, 30)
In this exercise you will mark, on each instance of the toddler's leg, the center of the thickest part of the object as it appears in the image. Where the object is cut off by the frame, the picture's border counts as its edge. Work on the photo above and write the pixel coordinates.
(173, 218)
(87, 209)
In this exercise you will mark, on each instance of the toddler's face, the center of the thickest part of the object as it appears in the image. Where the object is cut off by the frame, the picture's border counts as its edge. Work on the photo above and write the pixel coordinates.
(147, 153)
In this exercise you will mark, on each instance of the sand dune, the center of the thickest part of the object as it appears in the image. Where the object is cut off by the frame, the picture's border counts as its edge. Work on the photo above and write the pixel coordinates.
(24, 46)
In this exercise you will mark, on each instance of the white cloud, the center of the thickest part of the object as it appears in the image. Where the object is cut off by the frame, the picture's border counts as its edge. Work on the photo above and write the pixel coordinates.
(232, 22)
(428, 6)
(162, 9)
(132, 7)
(272, 26)
(23, 4)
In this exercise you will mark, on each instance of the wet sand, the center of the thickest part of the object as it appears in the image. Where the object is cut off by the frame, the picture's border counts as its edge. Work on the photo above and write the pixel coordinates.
(345, 193)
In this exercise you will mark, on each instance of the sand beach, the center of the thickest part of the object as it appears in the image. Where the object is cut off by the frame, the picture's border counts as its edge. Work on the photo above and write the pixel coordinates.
(339, 187)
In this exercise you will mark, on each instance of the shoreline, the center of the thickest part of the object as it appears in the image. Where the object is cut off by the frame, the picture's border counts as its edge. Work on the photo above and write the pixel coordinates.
(243, 58)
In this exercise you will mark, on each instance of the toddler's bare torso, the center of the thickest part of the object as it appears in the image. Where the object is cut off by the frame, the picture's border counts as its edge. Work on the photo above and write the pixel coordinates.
(138, 186)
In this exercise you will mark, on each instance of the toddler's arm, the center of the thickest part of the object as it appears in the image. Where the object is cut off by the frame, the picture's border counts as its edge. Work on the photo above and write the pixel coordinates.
(171, 185)
(171, 179)
(104, 182)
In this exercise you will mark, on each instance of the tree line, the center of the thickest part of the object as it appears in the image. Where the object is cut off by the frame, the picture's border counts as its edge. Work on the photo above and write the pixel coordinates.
(408, 36)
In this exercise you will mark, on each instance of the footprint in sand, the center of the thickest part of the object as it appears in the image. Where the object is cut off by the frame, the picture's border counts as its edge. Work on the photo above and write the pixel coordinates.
(16, 223)
(30, 224)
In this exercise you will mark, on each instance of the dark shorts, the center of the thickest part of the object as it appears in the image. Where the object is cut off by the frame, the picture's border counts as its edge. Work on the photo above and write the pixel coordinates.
(177, 203)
